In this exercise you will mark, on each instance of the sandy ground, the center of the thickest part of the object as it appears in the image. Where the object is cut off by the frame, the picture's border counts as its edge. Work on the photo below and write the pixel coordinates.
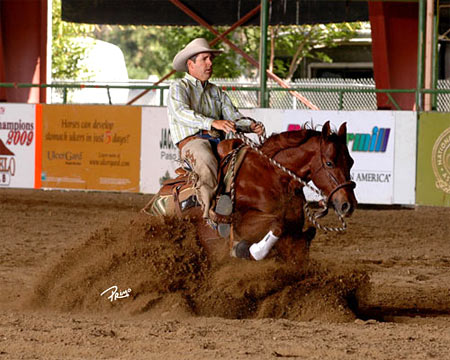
(379, 291)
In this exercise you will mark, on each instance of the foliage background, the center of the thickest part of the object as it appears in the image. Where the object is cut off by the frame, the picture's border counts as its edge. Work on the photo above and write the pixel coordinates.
(67, 50)
(149, 50)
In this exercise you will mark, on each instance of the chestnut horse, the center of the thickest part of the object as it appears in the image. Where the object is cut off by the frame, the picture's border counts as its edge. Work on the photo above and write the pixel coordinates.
(268, 199)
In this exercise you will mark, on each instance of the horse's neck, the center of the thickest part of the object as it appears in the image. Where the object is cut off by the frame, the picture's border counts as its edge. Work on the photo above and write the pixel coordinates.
(297, 160)
(294, 150)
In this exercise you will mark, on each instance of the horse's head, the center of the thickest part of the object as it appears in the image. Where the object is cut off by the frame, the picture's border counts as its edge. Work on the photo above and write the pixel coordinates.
(330, 170)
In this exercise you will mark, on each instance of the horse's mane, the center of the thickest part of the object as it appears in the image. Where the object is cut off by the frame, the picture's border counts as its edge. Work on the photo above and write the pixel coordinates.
(286, 140)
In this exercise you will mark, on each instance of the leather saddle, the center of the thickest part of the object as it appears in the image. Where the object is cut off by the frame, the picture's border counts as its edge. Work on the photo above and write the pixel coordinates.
(178, 195)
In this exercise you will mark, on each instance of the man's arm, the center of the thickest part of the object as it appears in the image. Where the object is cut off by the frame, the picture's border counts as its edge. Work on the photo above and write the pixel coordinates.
(224, 125)
(229, 111)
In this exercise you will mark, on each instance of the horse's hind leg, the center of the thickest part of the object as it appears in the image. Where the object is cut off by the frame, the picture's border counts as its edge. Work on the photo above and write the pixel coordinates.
(241, 250)
(260, 250)
(256, 251)
(261, 231)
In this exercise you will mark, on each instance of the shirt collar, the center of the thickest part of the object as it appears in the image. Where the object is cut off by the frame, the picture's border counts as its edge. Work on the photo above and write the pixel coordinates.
(195, 81)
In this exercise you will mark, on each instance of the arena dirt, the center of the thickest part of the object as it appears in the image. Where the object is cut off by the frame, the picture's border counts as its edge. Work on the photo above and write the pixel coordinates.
(379, 291)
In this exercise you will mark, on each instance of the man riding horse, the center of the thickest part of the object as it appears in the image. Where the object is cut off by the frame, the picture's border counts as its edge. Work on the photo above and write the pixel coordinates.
(266, 193)
(200, 114)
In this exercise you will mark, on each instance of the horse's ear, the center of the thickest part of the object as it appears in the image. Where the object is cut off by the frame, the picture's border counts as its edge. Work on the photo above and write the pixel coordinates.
(342, 132)
(326, 131)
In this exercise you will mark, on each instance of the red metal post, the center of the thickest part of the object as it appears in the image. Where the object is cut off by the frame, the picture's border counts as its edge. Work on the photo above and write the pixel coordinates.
(2, 64)
(394, 50)
(24, 34)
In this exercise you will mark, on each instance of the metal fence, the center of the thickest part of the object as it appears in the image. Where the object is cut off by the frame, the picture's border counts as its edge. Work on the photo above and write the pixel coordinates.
(443, 100)
(326, 94)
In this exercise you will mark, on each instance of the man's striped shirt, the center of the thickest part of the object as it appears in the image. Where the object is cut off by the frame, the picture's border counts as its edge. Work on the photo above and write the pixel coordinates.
(192, 107)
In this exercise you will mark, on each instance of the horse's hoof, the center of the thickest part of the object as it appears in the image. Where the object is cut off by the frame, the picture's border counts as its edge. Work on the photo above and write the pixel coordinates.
(309, 235)
(241, 250)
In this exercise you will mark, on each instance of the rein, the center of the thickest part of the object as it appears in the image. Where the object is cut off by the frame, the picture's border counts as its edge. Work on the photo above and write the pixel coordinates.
(312, 217)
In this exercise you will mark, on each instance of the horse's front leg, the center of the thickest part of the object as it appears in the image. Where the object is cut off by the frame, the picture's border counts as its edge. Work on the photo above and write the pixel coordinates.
(294, 247)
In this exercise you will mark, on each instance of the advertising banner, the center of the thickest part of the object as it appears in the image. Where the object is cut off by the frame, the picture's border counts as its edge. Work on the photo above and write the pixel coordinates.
(433, 159)
(382, 175)
(19, 138)
(370, 139)
(91, 147)
(160, 157)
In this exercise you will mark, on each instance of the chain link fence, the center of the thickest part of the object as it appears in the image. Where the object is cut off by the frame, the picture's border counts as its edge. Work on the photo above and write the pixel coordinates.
(326, 94)
(443, 100)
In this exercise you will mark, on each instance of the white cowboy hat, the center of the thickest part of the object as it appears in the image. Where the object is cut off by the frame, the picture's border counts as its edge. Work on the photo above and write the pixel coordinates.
(195, 47)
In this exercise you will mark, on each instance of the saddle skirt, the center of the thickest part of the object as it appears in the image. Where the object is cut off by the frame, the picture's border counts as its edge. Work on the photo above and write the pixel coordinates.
(179, 194)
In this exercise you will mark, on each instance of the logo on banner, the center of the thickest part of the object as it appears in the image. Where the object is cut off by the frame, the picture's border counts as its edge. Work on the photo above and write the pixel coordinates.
(440, 159)
(7, 165)
(166, 146)
(376, 141)
(377, 177)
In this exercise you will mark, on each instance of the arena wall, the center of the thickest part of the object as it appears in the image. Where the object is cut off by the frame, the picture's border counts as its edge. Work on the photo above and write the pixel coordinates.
(128, 148)
(20, 141)
(433, 159)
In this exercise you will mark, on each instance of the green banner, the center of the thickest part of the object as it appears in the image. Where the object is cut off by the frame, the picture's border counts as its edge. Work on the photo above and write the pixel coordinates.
(433, 160)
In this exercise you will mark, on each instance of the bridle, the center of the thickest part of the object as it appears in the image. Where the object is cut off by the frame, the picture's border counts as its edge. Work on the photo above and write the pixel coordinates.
(348, 183)
(312, 216)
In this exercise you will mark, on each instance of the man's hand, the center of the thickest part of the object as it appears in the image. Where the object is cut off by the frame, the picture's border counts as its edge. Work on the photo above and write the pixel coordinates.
(225, 125)
(257, 128)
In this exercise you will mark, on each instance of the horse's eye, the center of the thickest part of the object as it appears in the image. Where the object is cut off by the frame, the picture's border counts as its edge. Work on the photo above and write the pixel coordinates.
(329, 164)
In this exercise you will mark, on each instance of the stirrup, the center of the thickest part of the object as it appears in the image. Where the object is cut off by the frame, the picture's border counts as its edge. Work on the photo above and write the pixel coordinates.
(222, 215)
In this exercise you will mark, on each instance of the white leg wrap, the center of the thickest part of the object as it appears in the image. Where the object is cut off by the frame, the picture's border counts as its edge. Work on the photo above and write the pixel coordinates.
(260, 250)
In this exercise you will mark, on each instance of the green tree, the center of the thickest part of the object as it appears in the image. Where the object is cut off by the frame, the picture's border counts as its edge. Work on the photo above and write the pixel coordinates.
(67, 51)
(149, 50)
(292, 44)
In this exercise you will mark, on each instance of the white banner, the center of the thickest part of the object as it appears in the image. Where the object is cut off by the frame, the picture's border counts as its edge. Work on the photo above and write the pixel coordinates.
(370, 139)
(159, 156)
(17, 145)
(382, 176)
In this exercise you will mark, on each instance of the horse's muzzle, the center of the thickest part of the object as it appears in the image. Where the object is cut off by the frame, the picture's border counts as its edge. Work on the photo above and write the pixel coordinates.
(345, 209)
(343, 198)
